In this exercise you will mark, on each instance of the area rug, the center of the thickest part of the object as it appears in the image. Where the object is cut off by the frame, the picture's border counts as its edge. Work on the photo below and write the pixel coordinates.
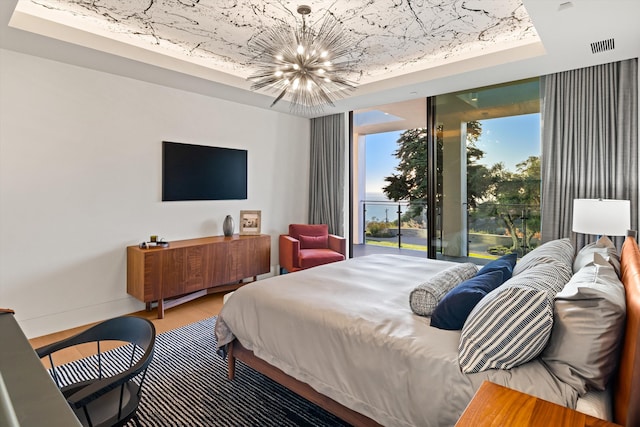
(187, 385)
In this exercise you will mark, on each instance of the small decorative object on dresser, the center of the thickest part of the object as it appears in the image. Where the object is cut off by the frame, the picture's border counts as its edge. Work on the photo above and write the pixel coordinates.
(250, 222)
(228, 226)
(154, 242)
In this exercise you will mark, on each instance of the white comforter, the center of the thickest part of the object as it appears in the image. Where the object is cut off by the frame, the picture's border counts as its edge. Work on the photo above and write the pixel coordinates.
(347, 330)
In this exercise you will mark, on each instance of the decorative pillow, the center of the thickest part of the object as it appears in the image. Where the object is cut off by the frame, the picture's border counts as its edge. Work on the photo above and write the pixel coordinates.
(313, 242)
(504, 264)
(605, 247)
(455, 307)
(550, 277)
(553, 251)
(426, 296)
(589, 318)
(508, 327)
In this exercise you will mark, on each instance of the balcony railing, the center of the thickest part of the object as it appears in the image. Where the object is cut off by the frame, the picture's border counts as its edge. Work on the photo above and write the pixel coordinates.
(516, 227)
(493, 229)
(395, 224)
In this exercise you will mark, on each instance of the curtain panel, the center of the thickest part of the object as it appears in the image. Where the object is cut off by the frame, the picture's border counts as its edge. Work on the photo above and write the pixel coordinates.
(589, 143)
(326, 179)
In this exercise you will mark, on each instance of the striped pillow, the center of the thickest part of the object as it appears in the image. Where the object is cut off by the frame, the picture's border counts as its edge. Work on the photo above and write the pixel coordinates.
(556, 250)
(509, 327)
(551, 277)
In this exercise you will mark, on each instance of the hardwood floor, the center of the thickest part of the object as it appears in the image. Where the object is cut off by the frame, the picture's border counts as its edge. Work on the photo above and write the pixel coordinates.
(176, 317)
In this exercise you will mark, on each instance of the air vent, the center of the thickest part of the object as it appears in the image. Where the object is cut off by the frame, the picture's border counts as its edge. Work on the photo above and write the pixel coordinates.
(602, 46)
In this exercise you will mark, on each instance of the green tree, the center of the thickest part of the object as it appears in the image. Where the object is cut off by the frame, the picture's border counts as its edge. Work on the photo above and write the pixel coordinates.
(410, 181)
(479, 178)
(513, 193)
(507, 194)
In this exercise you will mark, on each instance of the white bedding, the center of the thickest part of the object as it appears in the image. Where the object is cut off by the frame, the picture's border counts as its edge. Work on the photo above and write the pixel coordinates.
(597, 404)
(347, 330)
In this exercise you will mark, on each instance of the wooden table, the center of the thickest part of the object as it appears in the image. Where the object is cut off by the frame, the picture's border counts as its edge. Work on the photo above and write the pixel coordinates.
(495, 405)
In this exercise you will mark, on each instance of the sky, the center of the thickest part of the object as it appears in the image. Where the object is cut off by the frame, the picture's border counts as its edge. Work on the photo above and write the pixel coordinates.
(509, 140)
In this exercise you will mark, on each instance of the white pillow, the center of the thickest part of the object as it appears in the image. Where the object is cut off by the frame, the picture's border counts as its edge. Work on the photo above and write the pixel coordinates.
(604, 247)
(510, 326)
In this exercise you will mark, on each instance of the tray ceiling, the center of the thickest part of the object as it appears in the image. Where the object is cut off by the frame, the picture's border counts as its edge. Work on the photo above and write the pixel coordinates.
(390, 38)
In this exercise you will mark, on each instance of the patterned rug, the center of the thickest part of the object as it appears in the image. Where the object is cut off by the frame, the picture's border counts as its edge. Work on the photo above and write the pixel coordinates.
(187, 385)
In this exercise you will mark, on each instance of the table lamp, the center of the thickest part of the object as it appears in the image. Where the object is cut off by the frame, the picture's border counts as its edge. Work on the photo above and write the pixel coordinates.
(602, 217)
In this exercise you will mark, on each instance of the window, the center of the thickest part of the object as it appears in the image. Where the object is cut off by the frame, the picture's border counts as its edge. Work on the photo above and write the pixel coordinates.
(487, 173)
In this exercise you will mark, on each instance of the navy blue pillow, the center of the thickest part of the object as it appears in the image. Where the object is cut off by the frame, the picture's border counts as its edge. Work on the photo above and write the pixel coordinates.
(452, 311)
(504, 264)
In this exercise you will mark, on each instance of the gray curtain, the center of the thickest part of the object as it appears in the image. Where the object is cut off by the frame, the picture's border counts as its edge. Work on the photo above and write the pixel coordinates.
(589, 143)
(326, 179)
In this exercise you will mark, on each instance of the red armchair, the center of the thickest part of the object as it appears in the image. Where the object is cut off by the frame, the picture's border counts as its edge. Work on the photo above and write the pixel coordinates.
(309, 245)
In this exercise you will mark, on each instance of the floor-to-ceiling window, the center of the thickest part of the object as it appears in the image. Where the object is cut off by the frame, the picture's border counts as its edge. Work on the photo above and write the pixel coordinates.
(486, 171)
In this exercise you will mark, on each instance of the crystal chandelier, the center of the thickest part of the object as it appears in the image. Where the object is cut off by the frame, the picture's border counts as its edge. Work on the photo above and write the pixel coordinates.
(308, 66)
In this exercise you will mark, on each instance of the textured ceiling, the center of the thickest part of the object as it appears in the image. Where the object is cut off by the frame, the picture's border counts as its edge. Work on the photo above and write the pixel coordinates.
(407, 49)
(391, 38)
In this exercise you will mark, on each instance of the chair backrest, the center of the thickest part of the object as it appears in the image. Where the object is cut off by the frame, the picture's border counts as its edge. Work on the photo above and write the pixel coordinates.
(311, 236)
(135, 358)
(131, 329)
(313, 230)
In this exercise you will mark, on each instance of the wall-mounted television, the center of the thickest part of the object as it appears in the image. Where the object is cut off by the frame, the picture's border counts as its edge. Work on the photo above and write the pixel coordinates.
(200, 172)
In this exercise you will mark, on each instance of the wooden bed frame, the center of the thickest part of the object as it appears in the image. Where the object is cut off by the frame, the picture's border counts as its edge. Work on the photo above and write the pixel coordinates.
(237, 352)
(626, 391)
(626, 386)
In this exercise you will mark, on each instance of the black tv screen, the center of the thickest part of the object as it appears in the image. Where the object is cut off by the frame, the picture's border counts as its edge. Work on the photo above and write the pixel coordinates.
(200, 172)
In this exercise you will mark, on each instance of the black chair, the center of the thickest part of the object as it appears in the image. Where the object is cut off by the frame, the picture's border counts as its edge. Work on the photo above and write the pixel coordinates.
(112, 397)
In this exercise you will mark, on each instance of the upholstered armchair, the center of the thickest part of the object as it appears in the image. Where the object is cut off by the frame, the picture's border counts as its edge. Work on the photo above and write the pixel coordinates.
(309, 245)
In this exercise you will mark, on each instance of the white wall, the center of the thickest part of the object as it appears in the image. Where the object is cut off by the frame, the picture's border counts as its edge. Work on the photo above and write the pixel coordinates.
(80, 179)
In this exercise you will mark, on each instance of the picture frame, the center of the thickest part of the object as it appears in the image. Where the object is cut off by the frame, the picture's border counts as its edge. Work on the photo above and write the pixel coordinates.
(250, 222)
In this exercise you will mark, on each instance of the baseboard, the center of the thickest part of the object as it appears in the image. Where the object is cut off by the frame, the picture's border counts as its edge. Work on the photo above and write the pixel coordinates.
(55, 322)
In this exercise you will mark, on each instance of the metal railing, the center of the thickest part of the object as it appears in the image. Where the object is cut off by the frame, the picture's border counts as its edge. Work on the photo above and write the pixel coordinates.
(516, 224)
(388, 223)
(493, 229)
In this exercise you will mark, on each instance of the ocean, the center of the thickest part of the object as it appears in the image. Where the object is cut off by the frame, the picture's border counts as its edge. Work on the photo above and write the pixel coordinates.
(380, 208)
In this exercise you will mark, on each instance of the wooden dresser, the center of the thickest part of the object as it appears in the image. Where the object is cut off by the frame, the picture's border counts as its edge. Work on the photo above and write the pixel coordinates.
(188, 269)
(495, 405)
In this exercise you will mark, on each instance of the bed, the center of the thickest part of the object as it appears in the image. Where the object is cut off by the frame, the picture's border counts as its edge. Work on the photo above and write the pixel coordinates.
(343, 336)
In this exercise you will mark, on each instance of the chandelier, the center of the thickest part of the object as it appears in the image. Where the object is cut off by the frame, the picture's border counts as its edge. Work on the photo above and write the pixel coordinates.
(306, 65)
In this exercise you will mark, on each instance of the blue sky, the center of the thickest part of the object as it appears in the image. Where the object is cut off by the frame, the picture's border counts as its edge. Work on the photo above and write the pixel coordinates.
(509, 140)
(380, 161)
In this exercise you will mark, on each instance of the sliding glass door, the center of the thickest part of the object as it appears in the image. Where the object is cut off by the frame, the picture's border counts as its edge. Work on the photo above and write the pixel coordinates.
(488, 192)
(453, 176)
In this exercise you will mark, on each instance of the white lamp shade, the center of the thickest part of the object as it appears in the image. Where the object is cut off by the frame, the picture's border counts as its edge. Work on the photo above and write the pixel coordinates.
(605, 217)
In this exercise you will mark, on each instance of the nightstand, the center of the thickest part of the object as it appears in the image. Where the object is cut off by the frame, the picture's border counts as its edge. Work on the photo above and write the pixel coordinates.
(495, 405)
